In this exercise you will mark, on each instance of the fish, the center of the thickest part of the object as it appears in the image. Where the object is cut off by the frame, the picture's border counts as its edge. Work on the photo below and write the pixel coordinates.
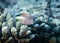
(28, 18)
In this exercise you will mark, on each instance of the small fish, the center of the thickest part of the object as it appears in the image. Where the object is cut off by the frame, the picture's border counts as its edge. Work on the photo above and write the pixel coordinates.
(28, 19)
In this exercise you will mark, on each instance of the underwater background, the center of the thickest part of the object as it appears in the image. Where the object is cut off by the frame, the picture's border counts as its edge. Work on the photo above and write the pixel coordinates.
(29, 21)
